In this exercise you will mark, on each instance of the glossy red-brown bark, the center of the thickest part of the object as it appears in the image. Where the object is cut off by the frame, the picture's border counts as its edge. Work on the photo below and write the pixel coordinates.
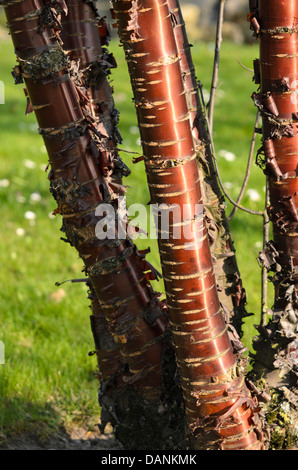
(81, 41)
(278, 97)
(216, 398)
(84, 37)
(78, 185)
(231, 292)
(276, 27)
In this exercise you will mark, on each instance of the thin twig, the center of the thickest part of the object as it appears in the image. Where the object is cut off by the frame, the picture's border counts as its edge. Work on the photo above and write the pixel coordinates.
(245, 209)
(243, 66)
(200, 86)
(214, 82)
(212, 152)
(248, 168)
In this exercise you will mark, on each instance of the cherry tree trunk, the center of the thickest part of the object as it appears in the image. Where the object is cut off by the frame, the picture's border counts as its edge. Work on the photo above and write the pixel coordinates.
(82, 43)
(79, 184)
(230, 289)
(275, 23)
(221, 413)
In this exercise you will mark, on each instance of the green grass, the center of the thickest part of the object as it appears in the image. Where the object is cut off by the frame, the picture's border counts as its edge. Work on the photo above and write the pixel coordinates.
(48, 378)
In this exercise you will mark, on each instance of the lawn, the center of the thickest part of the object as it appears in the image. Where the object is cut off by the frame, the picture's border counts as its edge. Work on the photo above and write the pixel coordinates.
(48, 379)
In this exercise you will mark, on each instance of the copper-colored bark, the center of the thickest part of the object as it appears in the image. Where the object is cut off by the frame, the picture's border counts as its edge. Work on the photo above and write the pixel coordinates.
(279, 63)
(276, 72)
(231, 292)
(275, 23)
(217, 400)
(78, 185)
(82, 43)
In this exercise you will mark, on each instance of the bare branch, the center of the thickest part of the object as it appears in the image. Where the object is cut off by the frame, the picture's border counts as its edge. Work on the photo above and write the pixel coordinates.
(248, 168)
(216, 64)
(212, 149)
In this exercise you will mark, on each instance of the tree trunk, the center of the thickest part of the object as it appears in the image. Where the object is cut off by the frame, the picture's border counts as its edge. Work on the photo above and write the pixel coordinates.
(220, 410)
(275, 23)
(78, 184)
(82, 43)
(230, 290)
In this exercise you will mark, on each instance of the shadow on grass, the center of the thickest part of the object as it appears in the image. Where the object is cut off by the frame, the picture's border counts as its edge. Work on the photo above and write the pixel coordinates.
(34, 426)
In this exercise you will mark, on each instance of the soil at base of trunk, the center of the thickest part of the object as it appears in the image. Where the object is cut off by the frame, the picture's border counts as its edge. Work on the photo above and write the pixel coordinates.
(79, 438)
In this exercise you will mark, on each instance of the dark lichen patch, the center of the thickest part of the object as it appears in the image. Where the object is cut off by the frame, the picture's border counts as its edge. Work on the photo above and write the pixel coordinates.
(48, 63)
(282, 420)
(68, 193)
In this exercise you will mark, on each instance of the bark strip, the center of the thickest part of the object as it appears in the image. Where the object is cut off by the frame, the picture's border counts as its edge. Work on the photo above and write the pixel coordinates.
(219, 407)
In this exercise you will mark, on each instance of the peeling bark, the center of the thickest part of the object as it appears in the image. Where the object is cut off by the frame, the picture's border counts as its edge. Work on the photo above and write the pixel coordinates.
(221, 412)
(79, 185)
(275, 24)
(82, 43)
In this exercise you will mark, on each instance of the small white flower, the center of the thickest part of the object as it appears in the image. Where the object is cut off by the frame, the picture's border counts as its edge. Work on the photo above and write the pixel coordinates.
(120, 97)
(138, 142)
(258, 245)
(253, 195)
(51, 215)
(134, 130)
(20, 232)
(29, 164)
(229, 156)
(4, 183)
(29, 215)
(35, 197)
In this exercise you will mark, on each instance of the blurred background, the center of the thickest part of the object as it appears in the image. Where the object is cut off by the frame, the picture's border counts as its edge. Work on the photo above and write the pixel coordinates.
(48, 381)
(201, 18)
